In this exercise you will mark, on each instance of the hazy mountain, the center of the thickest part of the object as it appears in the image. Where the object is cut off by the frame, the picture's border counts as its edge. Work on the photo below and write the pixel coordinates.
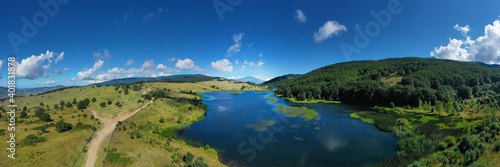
(28, 91)
(172, 78)
(250, 79)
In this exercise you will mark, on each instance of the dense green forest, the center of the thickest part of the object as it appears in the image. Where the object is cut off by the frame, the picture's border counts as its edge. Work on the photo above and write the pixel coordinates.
(444, 112)
(402, 81)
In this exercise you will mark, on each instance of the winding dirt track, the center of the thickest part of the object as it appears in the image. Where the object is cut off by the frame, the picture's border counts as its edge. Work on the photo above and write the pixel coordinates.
(109, 125)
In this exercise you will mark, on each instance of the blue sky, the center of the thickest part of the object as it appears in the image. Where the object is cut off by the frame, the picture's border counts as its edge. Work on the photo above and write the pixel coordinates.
(94, 41)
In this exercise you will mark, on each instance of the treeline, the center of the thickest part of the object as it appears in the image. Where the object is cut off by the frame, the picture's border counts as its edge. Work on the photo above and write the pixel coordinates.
(416, 79)
(275, 82)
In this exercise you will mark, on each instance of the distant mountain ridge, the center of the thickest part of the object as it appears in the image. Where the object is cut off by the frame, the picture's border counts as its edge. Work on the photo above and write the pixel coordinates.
(250, 79)
(28, 91)
(171, 78)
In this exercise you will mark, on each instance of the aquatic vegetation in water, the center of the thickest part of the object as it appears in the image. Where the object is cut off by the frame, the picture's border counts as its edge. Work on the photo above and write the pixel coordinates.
(237, 93)
(262, 125)
(296, 111)
(271, 99)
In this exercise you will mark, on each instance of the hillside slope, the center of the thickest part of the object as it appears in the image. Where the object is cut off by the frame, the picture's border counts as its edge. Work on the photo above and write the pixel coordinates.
(402, 81)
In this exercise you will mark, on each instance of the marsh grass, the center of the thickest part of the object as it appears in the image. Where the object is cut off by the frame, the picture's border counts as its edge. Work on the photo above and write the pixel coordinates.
(299, 111)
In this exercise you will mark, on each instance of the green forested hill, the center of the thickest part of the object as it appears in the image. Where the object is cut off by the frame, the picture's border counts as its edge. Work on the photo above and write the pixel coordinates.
(273, 83)
(403, 81)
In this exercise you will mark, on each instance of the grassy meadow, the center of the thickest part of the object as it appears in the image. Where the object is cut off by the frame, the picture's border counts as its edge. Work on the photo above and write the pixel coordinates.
(38, 138)
(148, 138)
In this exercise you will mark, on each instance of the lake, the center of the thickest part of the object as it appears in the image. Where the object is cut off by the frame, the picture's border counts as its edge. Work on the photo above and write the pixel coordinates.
(252, 132)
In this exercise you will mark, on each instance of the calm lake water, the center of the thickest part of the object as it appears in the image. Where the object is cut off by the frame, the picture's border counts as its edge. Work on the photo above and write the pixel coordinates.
(252, 133)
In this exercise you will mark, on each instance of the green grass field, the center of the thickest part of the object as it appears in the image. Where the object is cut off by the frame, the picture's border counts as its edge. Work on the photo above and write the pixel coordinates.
(148, 139)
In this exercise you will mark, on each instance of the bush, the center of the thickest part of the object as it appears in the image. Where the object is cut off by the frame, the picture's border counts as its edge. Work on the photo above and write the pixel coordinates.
(83, 104)
(497, 145)
(199, 162)
(23, 114)
(61, 126)
(80, 125)
(188, 157)
(31, 140)
(103, 104)
(45, 117)
(403, 128)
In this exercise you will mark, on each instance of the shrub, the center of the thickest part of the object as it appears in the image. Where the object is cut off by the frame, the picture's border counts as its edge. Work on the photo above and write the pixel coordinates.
(403, 128)
(23, 114)
(61, 126)
(199, 162)
(497, 145)
(45, 117)
(188, 157)
(31, 140)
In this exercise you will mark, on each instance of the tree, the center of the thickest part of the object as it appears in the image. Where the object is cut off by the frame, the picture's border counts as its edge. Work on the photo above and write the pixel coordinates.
(81, 105)
(56, 106)
(94, 100)
(476, 91)
(162, 120)
(444, 93)
(125, 92)
(41, 104)
(302, 96)
(243, 87)
(74, 101)
(62, 103)
(464, 92)
(23, 114)
(188, 157)
(199, 162)
(61, 126)
(110, 102)
(103, 104)
(69, 105)
(45, 117)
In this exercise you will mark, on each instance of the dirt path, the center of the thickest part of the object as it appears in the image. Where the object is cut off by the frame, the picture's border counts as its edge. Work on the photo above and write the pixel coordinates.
(109, 125)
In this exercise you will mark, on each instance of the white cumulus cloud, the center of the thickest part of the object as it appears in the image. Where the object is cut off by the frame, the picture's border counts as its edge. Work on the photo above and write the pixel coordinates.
(485, 48)
(300, 16)
(187, 64)
(464, 29)
(328, 29)
(33, 67)
(222, 65)
(87, 74)
(49, 82)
